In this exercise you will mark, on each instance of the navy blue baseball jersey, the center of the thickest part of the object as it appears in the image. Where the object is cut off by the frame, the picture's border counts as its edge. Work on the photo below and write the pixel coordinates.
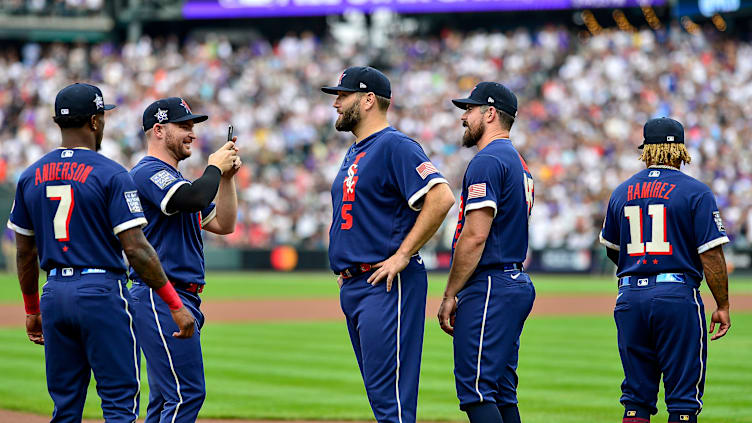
(376, 198)
(498, 178)
(661, 220)
(74, 202)
(175, 236)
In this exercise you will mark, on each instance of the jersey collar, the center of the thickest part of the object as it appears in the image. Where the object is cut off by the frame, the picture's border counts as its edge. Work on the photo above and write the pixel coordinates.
(366, 140)
(663, 167)
(153, 158)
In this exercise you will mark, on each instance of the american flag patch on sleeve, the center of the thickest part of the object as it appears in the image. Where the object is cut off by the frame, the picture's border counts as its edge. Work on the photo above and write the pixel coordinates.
(425, 169)
(476, 191)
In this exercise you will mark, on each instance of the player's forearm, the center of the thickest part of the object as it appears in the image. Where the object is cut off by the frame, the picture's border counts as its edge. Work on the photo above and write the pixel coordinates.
(26, 264)
(143, 258)
(716, 276)
(467, 254)
(439, 200)
(227, 206)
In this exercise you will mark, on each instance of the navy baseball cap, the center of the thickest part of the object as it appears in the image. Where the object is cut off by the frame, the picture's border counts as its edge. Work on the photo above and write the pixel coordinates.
(662, 131)
(490, 94)
(80, 100)
(169, 110)
(362, 79)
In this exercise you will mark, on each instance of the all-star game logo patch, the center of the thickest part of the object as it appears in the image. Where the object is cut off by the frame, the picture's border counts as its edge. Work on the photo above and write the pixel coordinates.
(162, 179)
(718, 221)
(134, 203)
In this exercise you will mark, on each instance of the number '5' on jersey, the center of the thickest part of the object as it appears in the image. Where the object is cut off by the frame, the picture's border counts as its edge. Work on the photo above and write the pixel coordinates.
(661, 220)
(75, 202)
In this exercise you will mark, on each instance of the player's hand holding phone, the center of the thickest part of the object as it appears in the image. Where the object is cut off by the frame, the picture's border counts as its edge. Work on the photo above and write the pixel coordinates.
(185, 321)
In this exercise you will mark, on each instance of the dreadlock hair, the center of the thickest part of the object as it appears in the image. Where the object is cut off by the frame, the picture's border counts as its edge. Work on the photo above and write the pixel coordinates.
(665, 153)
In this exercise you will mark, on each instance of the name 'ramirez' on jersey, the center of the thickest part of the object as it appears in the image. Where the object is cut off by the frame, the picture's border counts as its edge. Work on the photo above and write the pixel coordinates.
(62, 195)
(661, 220)
(377, 196)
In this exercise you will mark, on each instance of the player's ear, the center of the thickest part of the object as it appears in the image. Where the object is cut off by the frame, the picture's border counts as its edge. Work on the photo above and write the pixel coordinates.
(93, 122)
(370, 100)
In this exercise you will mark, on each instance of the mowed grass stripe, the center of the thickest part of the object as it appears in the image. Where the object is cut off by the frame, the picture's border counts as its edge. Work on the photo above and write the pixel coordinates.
(271, 285)
(569, 372)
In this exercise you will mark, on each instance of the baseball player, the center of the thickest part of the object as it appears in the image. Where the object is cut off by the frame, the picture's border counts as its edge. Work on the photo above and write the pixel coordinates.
(77, 210)
(178, 210)
(488, 295)
(663, 230)
(388, 199)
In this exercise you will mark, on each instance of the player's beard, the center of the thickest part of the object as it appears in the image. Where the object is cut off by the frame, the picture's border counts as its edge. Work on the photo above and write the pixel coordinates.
(471, 136)
(349, 119)
(176, 146)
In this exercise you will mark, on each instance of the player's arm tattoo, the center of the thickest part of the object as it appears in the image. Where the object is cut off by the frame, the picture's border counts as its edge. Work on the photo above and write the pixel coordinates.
(714, 265)
(26, 263)
(142, 257)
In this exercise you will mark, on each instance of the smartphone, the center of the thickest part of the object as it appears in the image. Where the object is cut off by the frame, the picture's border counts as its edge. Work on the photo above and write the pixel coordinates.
(229, 133)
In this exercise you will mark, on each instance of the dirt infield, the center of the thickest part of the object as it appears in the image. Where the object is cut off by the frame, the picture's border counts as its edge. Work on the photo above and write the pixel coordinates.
(328, 309)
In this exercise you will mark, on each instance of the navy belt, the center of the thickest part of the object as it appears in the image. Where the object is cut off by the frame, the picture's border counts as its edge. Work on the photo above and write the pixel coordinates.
(511, 267)
(75, 272)
(651, 280)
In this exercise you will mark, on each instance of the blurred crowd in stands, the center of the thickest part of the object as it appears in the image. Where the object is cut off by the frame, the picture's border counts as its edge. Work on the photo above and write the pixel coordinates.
(52, 7)
(583, 102)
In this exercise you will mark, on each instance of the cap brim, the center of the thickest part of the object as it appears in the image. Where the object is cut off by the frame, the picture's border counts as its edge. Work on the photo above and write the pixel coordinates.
(109, 106)
(462, 103)
(336, 90)
(194, 118)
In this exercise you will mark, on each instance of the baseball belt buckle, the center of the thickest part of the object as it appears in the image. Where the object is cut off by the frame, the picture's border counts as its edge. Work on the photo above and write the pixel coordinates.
(364, 267)
(66, 271)
(346, 273)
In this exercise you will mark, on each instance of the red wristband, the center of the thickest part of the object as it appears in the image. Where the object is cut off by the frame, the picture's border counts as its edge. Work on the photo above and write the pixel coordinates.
(168, 294)
(31, 303)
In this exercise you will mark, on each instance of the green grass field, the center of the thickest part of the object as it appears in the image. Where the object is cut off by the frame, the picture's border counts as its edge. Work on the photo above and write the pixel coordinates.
(569, 366)
(263, 285)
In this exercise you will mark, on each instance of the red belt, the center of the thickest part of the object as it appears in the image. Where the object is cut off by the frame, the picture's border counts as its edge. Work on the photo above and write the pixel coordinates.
(193, 288)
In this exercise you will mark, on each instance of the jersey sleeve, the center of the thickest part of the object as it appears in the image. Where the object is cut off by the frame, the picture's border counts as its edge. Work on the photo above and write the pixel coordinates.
(708, 225)
(483, 180)
(19, 220)
(157, 185)
(609, 235)
(414, 173)
(124, 204)
(208, 214)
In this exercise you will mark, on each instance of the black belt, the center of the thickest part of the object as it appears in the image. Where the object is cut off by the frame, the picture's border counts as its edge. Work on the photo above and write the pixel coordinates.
(356, 270)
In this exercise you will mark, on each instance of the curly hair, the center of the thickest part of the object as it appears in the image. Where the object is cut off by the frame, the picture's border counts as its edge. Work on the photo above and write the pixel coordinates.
(665, 153)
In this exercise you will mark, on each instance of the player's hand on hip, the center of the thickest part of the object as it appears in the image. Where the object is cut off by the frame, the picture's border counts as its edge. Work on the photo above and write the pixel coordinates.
(339, 280)
(186, 322)
(722, 317)
(447, 312)
(225, 157)
(34, 328)
(388, 269)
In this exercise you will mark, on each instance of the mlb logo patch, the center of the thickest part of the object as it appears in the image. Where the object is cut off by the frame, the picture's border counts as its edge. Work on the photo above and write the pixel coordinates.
(476, 191)
(642, 282)
(654, 173)
(684, 417)
(669, 138)
(66, 154)
(162, 179)
(134, 203)
(631, 413)
(425, 169)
